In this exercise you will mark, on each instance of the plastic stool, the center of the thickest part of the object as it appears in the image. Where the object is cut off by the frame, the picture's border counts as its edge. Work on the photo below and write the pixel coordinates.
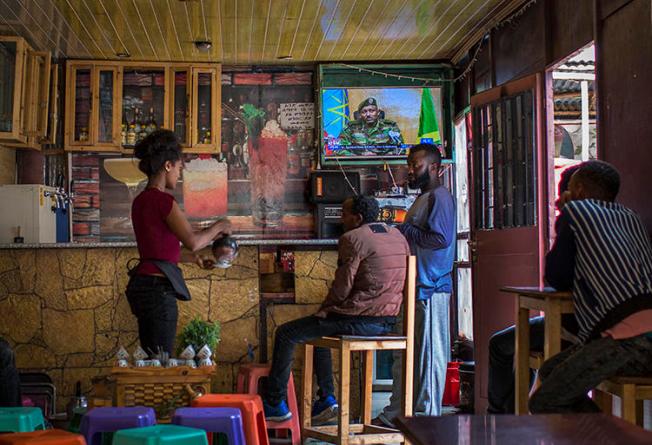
(247, 383)
(227, 421)
(251, 409)
(44, 437)
(21, 419)
(160, 435)
(111, 419)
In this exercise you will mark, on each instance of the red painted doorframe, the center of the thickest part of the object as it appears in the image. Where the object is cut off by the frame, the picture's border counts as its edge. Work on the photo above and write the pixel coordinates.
(509, 256)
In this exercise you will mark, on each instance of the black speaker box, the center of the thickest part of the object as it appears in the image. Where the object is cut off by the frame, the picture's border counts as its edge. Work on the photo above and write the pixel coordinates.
(331, 186)
(328, 221)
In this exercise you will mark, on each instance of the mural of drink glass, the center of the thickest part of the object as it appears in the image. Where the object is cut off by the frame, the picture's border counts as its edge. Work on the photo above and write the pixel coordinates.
(269, 162)
(125, 170)
(205, 187)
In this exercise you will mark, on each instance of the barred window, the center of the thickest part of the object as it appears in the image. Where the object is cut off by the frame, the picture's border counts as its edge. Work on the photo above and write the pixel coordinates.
(504, 165)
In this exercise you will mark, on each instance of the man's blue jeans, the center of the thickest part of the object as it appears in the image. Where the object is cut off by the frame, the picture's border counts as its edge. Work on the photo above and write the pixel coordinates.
(305, 329)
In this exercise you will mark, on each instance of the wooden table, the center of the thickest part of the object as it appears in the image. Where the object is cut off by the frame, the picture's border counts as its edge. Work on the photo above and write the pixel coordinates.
(557, 429)
(554, 304)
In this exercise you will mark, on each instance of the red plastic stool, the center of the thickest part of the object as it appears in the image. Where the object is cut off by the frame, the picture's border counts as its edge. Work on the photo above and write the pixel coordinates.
(43, 437)
(251, 407)
(247, 383)
(452, 387)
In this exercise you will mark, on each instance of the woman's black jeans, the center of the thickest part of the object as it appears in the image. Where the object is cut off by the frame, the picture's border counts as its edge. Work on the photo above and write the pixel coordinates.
(305, 329)
(153, 301)
(9, 380)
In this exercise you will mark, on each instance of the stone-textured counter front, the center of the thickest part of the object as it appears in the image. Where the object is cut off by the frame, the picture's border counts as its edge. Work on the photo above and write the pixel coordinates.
(65, 312)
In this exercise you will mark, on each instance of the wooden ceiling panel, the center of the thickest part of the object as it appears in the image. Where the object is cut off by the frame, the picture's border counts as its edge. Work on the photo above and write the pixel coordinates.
(251, 31)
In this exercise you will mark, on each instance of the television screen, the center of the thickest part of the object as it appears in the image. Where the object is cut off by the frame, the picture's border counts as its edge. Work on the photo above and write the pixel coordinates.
(378, 123)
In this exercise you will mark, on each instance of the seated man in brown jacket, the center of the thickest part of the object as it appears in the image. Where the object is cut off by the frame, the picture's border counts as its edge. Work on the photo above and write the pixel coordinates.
(364, 299)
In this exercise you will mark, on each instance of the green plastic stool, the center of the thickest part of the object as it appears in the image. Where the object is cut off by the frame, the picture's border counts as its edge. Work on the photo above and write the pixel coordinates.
(160, 435)
(21, 419)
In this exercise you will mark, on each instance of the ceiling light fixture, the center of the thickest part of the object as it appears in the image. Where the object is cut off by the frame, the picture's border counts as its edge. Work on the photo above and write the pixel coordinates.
(287, 57)
(203, 45)
(123, 54)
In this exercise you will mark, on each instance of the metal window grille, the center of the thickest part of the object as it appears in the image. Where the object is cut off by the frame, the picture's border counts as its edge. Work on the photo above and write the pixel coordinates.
(504, 152)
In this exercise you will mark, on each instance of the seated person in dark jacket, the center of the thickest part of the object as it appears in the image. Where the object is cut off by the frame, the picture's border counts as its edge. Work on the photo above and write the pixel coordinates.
(9, 381)
(364, 299)
(501, 345)
(603, 253)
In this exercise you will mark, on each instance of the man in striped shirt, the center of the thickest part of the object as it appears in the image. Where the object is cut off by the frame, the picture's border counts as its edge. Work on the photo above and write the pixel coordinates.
(603, 253)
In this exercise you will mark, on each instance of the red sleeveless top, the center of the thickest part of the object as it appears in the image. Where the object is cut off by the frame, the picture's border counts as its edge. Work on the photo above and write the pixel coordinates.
(154, 238)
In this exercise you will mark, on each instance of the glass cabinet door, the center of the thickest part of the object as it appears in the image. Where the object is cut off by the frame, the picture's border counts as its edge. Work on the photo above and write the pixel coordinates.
(206, 109)
(82, 105)
(107, 110)
(42, 85)
(11, 68)
(180, 105)
(143, 103)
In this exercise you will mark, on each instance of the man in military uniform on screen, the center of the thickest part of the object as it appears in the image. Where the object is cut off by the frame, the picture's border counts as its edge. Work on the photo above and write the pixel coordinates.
(369, 128)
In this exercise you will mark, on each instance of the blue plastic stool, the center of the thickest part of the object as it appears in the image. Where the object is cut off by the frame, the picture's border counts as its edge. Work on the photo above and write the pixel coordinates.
(227, 421)
(21, 419)
(160, 435)
(108, 419)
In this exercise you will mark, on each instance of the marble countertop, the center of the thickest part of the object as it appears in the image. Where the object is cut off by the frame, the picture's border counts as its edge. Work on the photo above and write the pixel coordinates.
(104, 245)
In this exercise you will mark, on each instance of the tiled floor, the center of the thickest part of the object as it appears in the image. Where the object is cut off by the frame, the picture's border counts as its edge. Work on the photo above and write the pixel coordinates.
(379, 401)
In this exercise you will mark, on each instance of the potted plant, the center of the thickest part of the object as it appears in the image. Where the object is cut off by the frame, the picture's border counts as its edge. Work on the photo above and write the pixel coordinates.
(198, 333)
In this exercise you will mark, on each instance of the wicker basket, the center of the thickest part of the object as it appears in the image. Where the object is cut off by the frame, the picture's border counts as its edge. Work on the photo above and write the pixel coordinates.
(163, 389)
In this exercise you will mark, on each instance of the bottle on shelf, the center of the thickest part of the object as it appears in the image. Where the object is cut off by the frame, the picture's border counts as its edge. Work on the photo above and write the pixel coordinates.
(207, 137)
(137, 124)
(151, 122)
(124, 127)
(131, 135)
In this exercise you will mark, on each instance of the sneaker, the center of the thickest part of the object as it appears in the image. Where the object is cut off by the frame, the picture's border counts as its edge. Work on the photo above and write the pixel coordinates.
(276, 413)
(324, 410)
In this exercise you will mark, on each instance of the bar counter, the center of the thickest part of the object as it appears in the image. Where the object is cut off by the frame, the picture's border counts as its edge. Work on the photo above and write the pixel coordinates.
(65, 312)
(241, 241)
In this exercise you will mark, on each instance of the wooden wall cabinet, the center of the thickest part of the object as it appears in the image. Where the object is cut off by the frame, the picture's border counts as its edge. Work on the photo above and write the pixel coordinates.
(24, 94)
(112, 105)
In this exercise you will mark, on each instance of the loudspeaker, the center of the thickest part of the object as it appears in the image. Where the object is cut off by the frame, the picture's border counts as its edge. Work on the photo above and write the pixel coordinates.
(328, 221)
(331, 186)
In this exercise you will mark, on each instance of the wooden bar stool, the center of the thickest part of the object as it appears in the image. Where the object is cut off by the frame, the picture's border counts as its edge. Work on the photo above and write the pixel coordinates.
(631, 390)
(364, 433)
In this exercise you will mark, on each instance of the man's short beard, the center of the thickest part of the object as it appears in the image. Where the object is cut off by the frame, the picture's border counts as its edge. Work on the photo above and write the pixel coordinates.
(421, 181)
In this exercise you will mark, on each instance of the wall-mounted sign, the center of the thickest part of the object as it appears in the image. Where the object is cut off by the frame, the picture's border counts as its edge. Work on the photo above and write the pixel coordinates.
(297, 116)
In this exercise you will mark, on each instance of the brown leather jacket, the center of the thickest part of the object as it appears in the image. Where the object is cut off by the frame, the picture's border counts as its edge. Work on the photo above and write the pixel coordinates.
(370, 273)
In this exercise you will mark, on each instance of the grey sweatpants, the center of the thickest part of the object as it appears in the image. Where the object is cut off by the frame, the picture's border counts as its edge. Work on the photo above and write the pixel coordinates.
(431, 356)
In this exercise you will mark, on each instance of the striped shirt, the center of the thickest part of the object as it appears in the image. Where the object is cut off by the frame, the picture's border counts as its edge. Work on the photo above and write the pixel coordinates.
(606, 253)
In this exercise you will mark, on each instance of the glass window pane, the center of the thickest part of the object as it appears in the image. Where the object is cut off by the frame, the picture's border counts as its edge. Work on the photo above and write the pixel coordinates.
(7, 79)
(105, 127)
(462, 250)
(143, 96)
(82, 104)
(181, 105)
(205, 106)
(465, 302)
(461, 173)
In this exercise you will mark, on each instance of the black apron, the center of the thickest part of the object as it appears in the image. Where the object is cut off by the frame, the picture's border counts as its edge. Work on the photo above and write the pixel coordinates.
(171, 271)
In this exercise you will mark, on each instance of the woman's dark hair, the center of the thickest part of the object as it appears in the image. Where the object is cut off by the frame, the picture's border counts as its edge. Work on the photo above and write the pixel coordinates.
(365, 206)
(155, 149)
(566, 175)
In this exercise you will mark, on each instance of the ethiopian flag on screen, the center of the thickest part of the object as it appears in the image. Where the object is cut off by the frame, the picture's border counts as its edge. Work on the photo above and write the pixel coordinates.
(335, 107)
(428, 128)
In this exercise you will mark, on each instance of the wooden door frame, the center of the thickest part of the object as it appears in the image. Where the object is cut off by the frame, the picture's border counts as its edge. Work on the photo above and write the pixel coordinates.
(535, 82)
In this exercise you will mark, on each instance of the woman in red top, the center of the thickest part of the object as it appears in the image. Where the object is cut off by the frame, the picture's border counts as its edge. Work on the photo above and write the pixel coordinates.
(159, 225)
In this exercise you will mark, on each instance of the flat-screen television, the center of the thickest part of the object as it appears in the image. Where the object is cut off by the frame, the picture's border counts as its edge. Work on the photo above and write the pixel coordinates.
(378, 123)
